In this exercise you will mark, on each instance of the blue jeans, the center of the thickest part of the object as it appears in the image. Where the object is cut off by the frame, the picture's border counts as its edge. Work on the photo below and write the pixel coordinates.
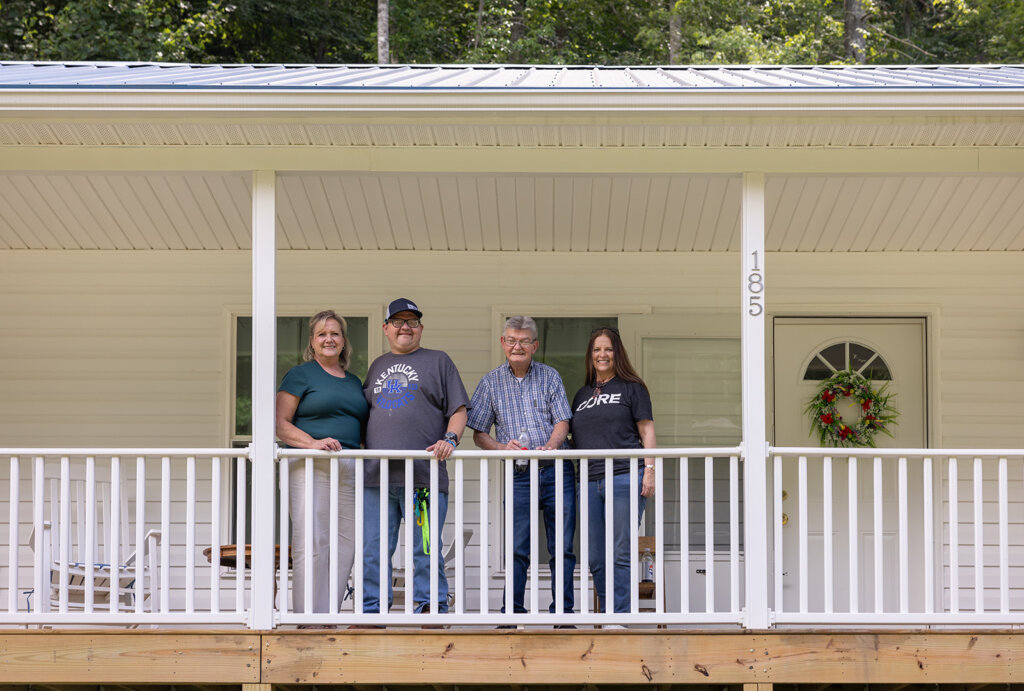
(420, 561)
(546, 495)
(623, 555)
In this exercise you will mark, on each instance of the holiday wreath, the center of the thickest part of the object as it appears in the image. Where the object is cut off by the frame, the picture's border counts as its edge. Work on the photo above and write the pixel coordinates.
(876, 410)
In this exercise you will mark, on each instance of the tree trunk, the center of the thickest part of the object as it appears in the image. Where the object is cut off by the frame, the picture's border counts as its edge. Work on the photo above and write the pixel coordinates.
(479, 38)
(675, 33)
(856, 26)
(383, 33)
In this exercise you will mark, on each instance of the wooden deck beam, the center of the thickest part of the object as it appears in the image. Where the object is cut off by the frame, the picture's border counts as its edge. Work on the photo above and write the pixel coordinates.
(128, 657)
(259, 660)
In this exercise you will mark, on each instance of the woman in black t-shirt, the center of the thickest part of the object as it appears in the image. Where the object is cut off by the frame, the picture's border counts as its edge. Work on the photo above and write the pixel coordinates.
(613, 411)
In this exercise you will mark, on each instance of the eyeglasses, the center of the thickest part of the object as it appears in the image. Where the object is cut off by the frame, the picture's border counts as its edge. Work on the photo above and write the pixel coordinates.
(512, 343)
(605, 328)
(397, 322)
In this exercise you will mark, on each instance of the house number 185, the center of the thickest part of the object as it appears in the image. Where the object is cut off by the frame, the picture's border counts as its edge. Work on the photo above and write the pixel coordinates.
(755, 286)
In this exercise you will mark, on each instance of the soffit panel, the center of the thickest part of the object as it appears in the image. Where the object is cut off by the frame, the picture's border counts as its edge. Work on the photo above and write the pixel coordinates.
(512, 212)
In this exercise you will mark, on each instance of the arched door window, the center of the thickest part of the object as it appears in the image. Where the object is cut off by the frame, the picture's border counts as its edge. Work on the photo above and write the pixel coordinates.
(847, 355)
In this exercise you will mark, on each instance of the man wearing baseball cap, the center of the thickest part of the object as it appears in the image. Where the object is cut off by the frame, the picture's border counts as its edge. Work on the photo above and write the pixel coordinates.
(417, 401)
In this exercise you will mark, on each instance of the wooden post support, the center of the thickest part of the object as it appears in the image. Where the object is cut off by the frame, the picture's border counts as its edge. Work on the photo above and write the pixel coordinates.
(270, 687)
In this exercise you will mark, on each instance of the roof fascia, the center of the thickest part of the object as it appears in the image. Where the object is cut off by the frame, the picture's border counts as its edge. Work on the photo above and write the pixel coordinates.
(626, 103)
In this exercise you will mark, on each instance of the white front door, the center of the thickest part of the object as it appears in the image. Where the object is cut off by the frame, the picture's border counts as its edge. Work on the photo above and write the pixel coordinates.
(806, 351)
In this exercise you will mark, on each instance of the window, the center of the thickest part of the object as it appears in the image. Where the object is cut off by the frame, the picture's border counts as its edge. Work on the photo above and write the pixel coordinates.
(847, 355)
(563, 344)
(292, 337)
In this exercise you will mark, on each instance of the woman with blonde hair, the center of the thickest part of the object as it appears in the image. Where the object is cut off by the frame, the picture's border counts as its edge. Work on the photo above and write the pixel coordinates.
(320, 405)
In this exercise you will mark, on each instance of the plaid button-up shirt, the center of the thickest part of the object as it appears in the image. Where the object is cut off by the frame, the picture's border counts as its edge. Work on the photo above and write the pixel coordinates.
(536, 404)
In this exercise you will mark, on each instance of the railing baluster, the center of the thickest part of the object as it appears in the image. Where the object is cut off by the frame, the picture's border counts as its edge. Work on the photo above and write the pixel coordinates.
(284, 583)
(1004, 541)
(777, 531)
(954, 536)
(904, 541)
(852, 534)
(360, 541)
(826, 528)
(802, 520)
(42, 554)
(165, 530)
(333, 557)
(928, 518)
(460, 552)
(410, 568)
(709, 534)
(559, 574)
(88, 554)
(979, 538)
(734, 533)
(509, 533)
(659, 537)
(609, 549)
(241, 498)
(534, 605)
(634, 547)
(878, 537)
(64, 531)
(14, 499)
(433, 535)
(113, 556)
(215, 538)
(484, 531)
(584, 495)
(309, 492)
(684, 534)
(190, 534)
(140, 532)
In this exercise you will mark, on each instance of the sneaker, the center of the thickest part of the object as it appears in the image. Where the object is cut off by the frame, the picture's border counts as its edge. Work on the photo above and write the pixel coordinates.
(617, 627)
(564, 626)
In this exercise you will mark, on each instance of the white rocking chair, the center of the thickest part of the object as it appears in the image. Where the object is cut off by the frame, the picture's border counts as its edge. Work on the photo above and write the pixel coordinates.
(112, 577)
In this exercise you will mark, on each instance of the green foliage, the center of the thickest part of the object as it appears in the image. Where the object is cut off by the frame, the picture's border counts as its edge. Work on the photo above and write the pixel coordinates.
(571, 32)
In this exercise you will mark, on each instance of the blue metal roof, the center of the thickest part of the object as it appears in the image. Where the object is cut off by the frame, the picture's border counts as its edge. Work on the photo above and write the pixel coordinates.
(123, 75)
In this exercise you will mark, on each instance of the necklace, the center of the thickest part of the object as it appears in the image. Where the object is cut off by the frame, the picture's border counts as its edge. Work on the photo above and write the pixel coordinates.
(598, 384)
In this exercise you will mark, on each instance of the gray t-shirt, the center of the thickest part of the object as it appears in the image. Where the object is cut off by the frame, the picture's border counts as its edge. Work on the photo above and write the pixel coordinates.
(411, 398)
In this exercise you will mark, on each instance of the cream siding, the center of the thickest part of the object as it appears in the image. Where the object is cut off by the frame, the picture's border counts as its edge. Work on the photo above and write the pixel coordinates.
(133, 348)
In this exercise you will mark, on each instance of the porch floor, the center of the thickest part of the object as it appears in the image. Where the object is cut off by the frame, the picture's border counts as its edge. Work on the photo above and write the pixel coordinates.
(586, 657)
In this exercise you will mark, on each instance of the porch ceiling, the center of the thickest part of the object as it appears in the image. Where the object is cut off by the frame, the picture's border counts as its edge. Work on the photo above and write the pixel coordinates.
(512, 212)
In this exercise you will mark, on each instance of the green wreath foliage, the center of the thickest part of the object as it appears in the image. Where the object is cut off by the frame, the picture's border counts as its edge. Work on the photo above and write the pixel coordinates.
(876, 408)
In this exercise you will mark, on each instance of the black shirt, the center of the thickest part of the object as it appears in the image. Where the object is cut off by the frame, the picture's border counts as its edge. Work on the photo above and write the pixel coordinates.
(608, 421)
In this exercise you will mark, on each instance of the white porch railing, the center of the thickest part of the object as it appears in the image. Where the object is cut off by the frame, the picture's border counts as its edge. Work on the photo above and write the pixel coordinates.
(871, 537)
(478, 573)
(898, 536)
(115, 536)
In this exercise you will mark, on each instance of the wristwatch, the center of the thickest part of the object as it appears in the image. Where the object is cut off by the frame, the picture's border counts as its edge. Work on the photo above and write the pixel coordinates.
(451, 438)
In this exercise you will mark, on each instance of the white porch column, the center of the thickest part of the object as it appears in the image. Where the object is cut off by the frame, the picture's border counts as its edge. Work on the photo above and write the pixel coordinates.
(264, 368)
(755, 435)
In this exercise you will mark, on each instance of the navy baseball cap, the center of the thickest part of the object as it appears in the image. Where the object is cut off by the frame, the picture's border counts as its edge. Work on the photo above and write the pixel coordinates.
(402, 305)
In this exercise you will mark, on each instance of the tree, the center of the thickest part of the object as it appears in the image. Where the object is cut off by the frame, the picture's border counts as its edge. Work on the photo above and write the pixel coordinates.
(383, 33)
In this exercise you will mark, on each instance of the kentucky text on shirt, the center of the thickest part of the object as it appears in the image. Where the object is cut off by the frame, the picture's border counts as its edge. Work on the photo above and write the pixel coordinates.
(600, 400)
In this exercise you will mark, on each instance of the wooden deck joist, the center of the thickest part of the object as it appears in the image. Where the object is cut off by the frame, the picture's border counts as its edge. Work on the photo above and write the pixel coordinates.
(513, 657)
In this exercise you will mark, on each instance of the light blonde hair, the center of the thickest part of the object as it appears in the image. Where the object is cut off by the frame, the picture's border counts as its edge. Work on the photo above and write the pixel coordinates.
(318, 319)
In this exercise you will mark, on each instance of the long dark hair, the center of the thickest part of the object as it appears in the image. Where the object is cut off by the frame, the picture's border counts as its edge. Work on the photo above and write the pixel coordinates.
(623, 367)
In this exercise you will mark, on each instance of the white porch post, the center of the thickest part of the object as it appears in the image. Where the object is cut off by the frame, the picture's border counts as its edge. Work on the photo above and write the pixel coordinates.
(264, 357)
(755, 436)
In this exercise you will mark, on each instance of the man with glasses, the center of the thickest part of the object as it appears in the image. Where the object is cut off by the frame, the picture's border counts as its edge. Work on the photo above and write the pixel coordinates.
(417, 401)
(525, 402)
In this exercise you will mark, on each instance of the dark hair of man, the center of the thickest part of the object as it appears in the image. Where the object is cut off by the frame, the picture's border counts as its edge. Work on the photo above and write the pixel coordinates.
(623, 368)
